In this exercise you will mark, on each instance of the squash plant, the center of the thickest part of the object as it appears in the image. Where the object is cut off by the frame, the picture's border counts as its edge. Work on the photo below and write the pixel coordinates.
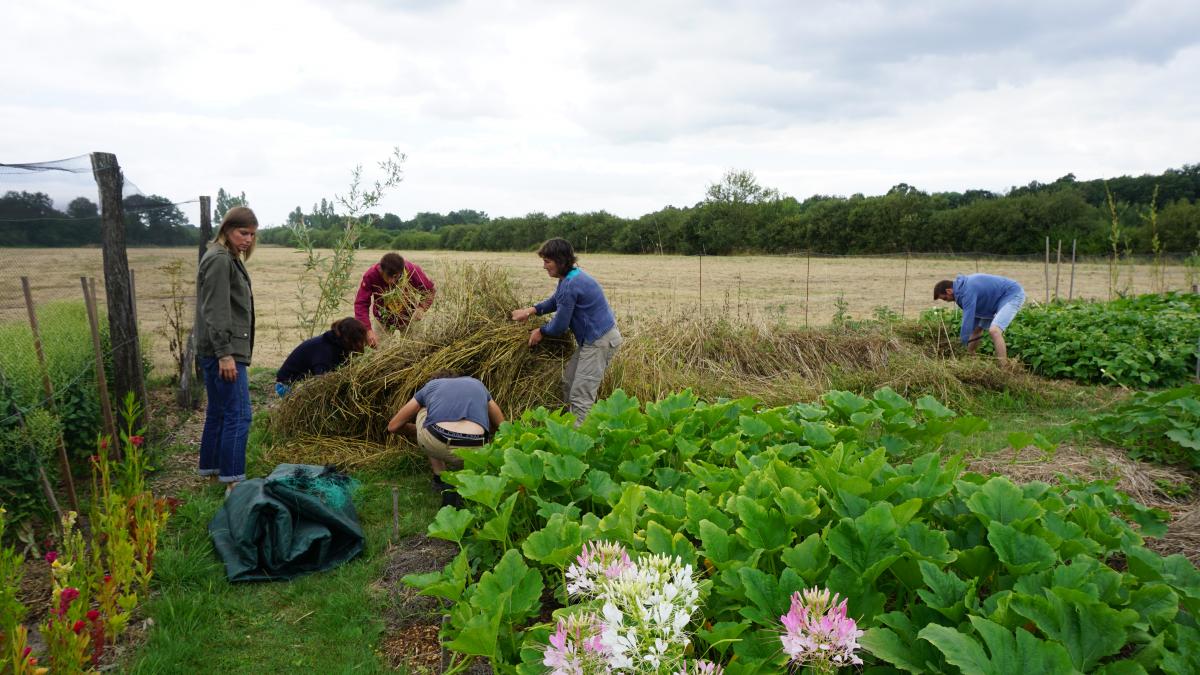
(949, 571)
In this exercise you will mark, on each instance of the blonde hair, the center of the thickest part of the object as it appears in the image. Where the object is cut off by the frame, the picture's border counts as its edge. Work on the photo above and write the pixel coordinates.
(238, 216)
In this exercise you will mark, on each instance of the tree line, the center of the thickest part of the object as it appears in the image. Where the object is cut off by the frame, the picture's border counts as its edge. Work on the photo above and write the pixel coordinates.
(31, 219)
(739, 215)
(1139, 214)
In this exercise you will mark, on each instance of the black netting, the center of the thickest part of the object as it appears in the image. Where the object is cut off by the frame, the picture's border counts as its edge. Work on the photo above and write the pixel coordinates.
(56, 203)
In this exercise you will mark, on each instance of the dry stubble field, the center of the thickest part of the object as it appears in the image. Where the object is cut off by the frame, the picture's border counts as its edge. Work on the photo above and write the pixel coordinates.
(776, 289)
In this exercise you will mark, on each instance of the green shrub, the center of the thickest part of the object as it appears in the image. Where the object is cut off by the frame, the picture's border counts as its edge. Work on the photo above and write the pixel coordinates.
(67, 345)
(1162, 427)
(851, 494)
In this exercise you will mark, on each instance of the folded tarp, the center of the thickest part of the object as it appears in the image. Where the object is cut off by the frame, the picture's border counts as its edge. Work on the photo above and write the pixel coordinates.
(297, 520)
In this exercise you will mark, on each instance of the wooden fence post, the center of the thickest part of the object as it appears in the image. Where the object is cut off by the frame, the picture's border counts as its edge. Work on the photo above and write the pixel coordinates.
(110, 427)
(904, 288)
(807, 276)
(1057, 269)
(122, 322)
(1046, 269)
(1071, 291)
(64, 463)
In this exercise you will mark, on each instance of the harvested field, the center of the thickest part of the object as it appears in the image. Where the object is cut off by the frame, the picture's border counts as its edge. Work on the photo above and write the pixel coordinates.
(765, 289)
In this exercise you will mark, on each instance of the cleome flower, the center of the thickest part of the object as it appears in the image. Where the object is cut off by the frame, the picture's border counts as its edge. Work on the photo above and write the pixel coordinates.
(597, 560)
(818, 633)
(575, 647)
(700, 668)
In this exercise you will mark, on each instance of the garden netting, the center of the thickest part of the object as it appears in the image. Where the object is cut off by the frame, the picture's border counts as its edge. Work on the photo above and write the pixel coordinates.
(299, 519)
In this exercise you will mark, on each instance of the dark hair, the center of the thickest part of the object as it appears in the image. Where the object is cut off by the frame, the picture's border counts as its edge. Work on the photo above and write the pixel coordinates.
(442, 374)
(941, 287)
(350, 333)
(238, 216)
(391, 264)
(560, 251)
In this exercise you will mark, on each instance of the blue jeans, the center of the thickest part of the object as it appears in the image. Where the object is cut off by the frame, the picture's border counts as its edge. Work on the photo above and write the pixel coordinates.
(226, 423)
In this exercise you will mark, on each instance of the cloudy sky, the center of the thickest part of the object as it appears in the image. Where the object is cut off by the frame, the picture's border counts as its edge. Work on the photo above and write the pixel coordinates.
(514, 107)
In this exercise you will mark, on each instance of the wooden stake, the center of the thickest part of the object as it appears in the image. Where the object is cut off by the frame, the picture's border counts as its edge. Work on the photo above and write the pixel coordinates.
(904, 289)
(395, 514)
(702, 285)
(1046, 269)
(807, 276)
(1057, 269)
(64, 463)
(110, 427)
(1071, 288)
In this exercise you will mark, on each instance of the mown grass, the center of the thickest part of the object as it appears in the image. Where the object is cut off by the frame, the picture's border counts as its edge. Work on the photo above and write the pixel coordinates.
(323, 623)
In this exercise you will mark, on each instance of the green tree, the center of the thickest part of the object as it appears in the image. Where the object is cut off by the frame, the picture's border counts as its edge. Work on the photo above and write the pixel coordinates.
(226, 201)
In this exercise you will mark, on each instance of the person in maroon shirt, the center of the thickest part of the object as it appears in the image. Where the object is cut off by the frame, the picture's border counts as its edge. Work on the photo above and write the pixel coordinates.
(380, 278)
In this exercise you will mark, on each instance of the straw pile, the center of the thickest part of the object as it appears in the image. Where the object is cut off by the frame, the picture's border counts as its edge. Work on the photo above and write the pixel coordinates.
(342, 417)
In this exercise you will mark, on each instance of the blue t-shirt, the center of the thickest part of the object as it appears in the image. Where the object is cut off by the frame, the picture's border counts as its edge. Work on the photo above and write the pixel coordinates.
(980, 297)
(451, 399)
(578, 303)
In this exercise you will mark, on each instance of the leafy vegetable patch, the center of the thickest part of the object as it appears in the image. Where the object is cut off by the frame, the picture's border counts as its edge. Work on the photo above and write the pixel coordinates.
(947, 571)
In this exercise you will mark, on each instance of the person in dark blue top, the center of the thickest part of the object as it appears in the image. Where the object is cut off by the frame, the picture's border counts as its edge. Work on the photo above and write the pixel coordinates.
(321, 354)
(988, 302)
(578, 303)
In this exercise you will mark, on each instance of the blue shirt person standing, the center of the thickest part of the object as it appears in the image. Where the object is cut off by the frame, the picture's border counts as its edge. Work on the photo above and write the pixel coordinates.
(988, 302)
(578, 303)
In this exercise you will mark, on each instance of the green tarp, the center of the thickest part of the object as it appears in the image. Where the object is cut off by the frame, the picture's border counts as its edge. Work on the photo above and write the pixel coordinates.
(300, 519)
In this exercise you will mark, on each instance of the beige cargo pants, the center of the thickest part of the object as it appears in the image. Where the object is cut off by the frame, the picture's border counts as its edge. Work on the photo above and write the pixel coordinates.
(584, 372)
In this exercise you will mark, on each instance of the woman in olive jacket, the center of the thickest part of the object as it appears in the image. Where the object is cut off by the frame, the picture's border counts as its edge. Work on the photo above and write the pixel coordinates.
(224, 343)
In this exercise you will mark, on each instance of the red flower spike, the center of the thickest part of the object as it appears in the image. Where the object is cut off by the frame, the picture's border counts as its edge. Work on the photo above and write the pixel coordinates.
(51, 556)
(136, 440)
(78, 627)
(94, 459)
(92, 615)
(104, 443)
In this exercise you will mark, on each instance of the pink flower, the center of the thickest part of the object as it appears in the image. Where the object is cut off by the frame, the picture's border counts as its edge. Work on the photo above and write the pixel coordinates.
(595, 560)
(136, 440)
(818, 632)
(51, 556)
(94, 459)
(700, 668)
(574, 646)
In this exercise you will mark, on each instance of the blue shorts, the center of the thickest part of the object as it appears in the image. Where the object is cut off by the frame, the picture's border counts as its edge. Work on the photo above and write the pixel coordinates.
(1009, 305)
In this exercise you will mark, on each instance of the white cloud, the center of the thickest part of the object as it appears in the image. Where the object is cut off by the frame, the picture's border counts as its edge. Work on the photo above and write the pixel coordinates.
(511, 107)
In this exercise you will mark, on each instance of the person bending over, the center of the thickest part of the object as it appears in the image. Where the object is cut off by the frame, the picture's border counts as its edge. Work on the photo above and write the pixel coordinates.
(578, 303)
(451, 412)
(988, 302)
(390, 272)
(321, 354)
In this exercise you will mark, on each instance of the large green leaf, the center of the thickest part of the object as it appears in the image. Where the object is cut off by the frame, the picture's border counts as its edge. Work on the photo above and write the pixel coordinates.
(886, 645)
(1022, 654)
(1000, 501)
(450, 524)
(483, 489)
(562, 469)
(946, 592)
(719, 545)
(867, 544)
(554, 544)
(762, 526)
(496, 529)
(920, 542)
(1021, 553)
(809, 558)
(511, 587)
(522, 467)
(1090, 630)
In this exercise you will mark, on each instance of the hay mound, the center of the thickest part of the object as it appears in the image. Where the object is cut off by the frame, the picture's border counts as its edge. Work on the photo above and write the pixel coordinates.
(341, 417)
